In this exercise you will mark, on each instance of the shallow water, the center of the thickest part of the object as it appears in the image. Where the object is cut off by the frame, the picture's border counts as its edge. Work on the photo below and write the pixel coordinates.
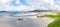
(11, 20)
(26, 22)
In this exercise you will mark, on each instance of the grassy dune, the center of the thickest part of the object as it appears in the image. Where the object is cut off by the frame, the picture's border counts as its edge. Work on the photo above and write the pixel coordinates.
(56, 22)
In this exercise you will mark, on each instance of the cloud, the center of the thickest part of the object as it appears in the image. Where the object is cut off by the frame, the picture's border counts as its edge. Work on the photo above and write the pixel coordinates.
(1, 6)
(27, 5)
(55, 5)
(20, 8)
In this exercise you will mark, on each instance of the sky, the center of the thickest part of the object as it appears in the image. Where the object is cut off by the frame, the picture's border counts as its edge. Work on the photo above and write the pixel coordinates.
(28, 5)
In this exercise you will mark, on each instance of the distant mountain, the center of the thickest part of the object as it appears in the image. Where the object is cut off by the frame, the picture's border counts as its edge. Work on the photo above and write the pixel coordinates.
(40, 11)
(10, 12)
(14, 12)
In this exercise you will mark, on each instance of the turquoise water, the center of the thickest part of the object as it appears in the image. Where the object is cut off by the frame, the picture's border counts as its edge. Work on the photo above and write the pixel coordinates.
(14, 12)
(10, 13)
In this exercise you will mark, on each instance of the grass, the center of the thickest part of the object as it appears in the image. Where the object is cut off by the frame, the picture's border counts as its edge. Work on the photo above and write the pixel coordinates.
(56, 22)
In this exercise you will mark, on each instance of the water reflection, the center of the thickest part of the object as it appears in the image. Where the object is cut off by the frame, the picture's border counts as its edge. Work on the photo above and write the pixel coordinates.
(26, 22)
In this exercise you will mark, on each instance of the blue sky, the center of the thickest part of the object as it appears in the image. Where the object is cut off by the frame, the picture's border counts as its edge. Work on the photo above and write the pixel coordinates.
(27, 5)
(23, 2)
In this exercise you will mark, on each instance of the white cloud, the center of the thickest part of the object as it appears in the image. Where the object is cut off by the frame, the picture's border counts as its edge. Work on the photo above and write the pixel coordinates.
(20, 8)
(34, 4)
(54, 6)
